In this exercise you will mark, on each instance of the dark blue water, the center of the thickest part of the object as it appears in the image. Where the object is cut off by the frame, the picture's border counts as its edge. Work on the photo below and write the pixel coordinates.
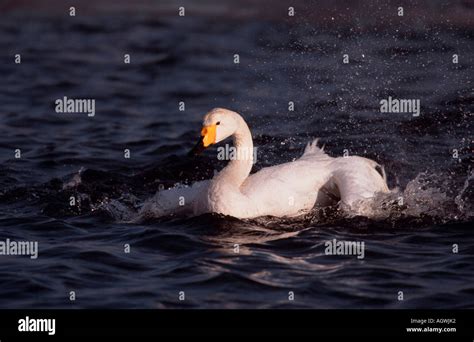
(81, 248)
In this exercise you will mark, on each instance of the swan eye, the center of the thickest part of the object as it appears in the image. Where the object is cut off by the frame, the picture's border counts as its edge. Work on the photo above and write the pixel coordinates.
(218, 123)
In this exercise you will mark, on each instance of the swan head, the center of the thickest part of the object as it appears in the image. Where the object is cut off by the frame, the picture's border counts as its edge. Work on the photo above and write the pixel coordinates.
(218, 125)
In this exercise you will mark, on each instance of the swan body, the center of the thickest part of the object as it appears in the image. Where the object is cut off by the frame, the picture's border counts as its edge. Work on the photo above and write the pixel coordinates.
(284, 190)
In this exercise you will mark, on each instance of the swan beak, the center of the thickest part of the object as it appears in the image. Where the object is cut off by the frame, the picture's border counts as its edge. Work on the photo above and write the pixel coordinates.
(208, 134)
(208, 137)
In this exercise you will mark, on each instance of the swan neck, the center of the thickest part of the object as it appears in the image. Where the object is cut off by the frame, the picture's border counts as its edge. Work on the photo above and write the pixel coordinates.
(241, 160)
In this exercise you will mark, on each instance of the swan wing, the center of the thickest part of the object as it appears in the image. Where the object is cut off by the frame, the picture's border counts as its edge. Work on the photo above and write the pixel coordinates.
(286, 189)
(357, 178)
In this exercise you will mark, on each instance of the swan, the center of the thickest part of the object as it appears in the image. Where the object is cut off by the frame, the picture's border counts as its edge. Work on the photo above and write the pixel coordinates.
(285, 190)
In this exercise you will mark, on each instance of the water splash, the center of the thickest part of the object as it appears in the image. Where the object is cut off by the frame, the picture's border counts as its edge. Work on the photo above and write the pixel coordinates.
(428, 198)
(433, 197)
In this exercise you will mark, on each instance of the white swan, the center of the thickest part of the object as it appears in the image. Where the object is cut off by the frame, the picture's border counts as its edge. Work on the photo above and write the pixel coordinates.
(285, 190)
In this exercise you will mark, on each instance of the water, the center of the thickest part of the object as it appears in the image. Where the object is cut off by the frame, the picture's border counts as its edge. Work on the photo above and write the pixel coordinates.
(409, 244)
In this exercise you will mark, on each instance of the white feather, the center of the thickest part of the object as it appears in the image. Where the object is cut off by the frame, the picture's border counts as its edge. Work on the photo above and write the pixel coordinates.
(284, 190)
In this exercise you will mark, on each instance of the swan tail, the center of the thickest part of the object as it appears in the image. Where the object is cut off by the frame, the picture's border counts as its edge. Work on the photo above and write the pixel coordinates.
(312, 149)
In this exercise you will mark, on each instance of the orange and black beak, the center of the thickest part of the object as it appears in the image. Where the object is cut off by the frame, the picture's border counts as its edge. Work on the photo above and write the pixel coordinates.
(208, 137)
